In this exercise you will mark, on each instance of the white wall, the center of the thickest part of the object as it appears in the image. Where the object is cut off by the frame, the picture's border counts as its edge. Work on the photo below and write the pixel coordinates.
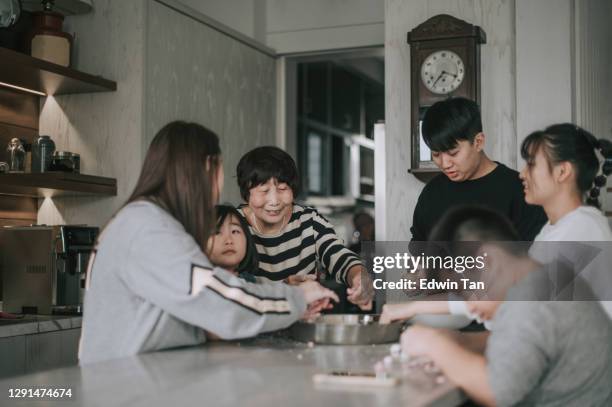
(544, 71)
(293, 26)
(593, 67)
(496, 17)
(314, 25)
(545, 61)
(244, 16)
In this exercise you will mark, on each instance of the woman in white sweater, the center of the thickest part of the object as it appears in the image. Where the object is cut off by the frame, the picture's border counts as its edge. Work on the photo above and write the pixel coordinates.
(561, 175)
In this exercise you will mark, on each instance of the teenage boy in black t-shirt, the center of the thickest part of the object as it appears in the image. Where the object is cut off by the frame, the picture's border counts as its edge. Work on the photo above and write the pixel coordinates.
(452, 129)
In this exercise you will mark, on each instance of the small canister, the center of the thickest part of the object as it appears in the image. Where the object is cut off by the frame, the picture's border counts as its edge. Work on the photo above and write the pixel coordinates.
(42, 153)
(64, 161)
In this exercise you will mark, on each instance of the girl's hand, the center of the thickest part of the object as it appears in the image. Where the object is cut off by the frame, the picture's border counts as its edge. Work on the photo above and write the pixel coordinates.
(299, 279)
(314, 292)
(396, 312)
(314, 310)
(419, 340)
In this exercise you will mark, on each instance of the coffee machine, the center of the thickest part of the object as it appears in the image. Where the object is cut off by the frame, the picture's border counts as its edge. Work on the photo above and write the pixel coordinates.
(43, 268)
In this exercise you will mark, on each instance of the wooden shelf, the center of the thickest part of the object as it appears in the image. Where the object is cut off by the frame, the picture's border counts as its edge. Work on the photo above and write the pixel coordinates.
(51, 184)
(24, 71)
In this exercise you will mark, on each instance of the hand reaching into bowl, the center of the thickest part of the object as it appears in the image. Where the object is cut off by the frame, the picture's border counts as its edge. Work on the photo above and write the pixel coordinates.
(299, 279)
(360, 291)
(317, 297)
(407, 310)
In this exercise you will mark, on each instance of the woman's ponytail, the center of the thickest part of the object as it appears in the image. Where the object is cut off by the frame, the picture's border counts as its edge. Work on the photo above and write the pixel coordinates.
(605, 149)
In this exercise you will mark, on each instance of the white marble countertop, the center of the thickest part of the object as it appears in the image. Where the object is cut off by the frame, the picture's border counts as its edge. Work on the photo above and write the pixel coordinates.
(269, 371)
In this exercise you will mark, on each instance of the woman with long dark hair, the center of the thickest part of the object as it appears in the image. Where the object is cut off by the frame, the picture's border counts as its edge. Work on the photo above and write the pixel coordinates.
(561, 175)
(564, 175)
(150, 286)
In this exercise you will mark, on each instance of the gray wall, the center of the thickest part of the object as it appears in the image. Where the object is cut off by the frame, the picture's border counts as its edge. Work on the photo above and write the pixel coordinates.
(167, 66)
(105, 128)
(544, 62)
(316, 25)
(245, 16)
(498, 96)
(197, 73)
(291, 26)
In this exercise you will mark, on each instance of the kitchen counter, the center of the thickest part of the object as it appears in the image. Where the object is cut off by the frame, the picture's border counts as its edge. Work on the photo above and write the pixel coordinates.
(34, 324)
(266, 371)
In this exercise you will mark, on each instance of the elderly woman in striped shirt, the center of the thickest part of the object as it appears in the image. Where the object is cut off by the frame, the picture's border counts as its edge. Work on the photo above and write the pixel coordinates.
(290, 238)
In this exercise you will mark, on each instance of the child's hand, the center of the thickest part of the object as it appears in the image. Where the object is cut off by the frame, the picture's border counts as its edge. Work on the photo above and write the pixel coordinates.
(314, 310)
(396, 312)
(314, 292)
(299, 279)
(419, 340)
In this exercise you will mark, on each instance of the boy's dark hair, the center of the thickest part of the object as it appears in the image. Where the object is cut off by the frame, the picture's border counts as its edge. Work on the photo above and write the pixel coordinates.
(250, 262)
(448, 121)
(263, 163)
(476, 224)
(568, 142)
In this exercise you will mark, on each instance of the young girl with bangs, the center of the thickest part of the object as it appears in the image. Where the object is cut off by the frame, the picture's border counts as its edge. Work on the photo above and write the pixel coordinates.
(150, 285)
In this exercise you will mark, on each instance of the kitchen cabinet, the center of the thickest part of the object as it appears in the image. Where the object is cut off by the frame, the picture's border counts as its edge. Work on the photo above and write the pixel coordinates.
(12, 354)
(38, 343)
(51, 349)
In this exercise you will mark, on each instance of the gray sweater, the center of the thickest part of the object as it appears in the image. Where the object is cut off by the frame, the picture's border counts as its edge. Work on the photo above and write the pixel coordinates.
(150, 287)
(550, 353)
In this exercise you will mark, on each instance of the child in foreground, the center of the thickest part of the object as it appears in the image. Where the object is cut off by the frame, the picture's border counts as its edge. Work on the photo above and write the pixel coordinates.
(541, 353)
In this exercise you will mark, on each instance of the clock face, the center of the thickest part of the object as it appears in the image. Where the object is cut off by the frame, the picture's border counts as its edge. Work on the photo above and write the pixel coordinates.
(442, 72)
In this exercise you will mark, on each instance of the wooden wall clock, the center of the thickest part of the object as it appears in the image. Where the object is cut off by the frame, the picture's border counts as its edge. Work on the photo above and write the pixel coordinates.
(444, 62)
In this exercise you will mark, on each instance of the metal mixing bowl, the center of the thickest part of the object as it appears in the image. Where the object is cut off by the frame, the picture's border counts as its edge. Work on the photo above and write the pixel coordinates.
(346, 329)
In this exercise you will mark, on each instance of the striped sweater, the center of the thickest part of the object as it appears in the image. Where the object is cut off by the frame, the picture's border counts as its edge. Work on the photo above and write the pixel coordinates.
(308, 239)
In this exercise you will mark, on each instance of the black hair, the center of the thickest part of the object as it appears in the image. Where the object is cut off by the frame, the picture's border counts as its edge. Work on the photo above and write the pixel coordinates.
(250, 262)
(476, 224)
(568, 142)
(179, 173)
(362, 219)
(263, 163)
(448, 121)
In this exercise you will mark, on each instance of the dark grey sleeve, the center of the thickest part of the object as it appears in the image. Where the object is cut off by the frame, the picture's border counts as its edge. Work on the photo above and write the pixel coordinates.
(168, 269)
(518, 350)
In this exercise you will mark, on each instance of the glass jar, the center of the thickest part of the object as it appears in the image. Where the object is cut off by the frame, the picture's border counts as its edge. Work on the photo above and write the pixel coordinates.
(42, 153)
